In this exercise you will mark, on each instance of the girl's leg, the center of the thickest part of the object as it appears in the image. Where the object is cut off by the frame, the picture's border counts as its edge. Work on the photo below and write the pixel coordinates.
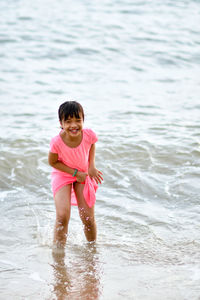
(63, 210)
(86, 213)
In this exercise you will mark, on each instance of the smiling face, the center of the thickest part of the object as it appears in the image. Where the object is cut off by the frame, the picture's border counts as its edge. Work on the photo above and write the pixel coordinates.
(72, 126)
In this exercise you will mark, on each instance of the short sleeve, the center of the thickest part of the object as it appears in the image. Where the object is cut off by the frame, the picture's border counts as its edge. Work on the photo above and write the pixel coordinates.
(92, 137)
(53, 147)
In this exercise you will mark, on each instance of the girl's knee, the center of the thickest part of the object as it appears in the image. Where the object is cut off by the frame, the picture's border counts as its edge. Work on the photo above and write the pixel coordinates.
(88, 221)
(62, 218)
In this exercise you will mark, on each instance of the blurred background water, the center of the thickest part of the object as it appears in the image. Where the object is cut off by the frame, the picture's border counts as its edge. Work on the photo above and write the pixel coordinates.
(134, 66)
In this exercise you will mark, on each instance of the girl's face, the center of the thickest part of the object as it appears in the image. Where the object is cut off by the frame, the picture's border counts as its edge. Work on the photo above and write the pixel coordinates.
(73, 126)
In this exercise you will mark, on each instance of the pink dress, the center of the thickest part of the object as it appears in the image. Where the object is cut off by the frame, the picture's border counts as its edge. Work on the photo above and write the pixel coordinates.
(75, 158)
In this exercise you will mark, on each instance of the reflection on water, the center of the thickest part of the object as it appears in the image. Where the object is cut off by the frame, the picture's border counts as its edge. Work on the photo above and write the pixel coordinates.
(62, 279)
(79, 279)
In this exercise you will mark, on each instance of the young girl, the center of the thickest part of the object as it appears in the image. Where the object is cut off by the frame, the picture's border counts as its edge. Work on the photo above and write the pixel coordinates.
(74, 175)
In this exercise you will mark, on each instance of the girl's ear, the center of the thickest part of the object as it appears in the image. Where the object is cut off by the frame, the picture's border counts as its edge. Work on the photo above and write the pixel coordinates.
(61, 125)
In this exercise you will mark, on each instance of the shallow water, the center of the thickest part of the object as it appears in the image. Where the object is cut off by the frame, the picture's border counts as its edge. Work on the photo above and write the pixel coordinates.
(134, 66)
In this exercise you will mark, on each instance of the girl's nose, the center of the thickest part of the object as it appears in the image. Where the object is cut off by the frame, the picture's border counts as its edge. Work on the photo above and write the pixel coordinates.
(73, 124)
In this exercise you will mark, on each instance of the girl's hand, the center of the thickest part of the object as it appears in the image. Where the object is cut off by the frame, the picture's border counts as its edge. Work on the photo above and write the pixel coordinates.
(81, 176)
(96, 174)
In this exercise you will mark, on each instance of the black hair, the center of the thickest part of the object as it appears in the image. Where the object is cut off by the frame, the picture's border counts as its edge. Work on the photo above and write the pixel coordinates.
(70, 109)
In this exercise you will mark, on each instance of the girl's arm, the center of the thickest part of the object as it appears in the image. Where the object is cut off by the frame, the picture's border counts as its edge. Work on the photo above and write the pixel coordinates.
(55, 163)
(92, 171)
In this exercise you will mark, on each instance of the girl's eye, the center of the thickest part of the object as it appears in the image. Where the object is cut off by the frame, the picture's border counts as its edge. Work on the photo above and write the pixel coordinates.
(69, 121)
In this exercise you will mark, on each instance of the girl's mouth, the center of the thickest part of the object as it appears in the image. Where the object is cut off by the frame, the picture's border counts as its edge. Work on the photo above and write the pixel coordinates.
(74, 131)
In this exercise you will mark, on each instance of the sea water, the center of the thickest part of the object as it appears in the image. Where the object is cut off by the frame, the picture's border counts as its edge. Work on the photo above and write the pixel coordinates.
(134, 66)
